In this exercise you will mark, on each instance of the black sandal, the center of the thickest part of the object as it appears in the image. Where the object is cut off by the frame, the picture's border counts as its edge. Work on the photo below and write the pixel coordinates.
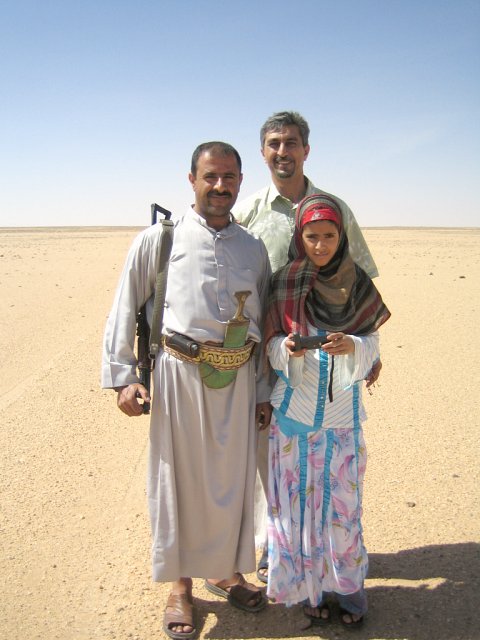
(262, 565)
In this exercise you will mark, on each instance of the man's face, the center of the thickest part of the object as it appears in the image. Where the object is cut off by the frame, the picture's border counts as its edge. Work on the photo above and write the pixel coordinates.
(284, 152)
(216, 187)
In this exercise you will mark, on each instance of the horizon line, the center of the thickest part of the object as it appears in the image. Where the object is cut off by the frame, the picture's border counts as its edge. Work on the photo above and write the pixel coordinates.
(141, 227)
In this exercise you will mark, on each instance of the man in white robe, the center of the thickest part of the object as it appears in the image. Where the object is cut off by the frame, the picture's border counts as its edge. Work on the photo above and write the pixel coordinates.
(203, 440)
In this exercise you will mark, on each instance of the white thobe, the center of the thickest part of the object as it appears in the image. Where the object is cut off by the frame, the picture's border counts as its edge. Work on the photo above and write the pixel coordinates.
(202, 441)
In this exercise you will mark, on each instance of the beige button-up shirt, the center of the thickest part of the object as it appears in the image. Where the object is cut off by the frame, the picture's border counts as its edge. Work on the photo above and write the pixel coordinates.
(271, 217)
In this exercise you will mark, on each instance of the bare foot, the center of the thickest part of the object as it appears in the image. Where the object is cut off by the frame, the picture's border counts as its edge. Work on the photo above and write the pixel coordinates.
(317, 614)
(350, 619)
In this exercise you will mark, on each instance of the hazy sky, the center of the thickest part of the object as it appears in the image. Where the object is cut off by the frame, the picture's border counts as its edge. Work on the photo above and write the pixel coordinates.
(102, 103)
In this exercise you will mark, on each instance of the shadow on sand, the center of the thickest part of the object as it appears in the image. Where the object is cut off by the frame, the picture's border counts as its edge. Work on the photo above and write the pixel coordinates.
(441, 603)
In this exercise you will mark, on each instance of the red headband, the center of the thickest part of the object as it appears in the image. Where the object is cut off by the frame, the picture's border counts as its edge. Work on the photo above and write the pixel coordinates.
(320, 212)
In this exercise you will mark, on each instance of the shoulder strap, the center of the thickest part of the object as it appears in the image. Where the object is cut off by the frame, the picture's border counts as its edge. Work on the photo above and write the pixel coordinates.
(166, 241)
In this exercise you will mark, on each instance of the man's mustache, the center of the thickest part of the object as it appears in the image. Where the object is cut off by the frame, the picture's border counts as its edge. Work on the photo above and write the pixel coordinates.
(227, 194)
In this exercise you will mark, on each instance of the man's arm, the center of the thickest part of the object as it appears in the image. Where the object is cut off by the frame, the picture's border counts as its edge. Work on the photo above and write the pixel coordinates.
(358, 246)
(136, 285)
(264, 374)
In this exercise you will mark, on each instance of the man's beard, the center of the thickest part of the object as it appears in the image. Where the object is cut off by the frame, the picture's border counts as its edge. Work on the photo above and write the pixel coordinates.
(284, 171)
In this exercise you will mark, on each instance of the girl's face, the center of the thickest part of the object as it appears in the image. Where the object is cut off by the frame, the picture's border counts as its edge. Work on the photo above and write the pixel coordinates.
(320, 239)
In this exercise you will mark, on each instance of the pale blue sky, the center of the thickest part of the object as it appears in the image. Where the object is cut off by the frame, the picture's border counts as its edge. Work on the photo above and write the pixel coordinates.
(102, 103)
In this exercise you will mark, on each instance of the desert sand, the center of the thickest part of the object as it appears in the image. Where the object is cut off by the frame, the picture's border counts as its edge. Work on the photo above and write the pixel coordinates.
(74, 530)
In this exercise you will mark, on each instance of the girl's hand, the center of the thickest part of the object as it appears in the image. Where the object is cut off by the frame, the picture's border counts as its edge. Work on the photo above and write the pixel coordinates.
(290, 347)
(340, 344)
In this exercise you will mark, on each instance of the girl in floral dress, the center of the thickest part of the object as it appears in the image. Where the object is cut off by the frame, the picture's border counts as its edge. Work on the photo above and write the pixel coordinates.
(317, 450)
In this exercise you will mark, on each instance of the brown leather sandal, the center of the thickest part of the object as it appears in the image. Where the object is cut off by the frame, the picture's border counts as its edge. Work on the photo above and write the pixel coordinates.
(179, 611)
(239, 594)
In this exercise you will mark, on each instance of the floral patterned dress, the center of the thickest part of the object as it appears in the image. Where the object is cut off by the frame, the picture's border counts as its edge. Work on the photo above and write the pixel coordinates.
(317, 461)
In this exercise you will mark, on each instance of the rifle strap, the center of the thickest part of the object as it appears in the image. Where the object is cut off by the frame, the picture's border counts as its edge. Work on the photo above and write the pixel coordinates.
(166, 242)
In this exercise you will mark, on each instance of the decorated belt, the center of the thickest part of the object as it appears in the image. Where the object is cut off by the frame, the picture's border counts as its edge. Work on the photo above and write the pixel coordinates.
(221, 358)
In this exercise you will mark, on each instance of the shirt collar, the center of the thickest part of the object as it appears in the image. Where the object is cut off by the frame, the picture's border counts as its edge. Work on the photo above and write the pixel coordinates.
(273, 193)
(229, 230)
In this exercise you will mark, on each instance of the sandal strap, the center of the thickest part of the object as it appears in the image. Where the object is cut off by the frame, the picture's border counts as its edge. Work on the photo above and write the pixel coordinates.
(224, 584)
(263, 562)
(179, 610)
(244, 593)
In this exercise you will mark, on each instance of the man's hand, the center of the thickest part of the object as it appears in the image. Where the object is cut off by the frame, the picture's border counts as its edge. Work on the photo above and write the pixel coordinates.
(374, 373)
(127, 398)
(263, 415)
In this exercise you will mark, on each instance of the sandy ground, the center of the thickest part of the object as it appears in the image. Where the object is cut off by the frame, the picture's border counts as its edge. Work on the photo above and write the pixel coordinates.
(74, 531)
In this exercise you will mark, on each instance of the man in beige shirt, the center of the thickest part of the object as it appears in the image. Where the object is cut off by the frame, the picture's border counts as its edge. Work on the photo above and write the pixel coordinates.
(269, 214)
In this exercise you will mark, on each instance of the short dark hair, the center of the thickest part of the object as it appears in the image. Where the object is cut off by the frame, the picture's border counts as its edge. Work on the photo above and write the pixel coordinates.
(217, 148)
(284, 119)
